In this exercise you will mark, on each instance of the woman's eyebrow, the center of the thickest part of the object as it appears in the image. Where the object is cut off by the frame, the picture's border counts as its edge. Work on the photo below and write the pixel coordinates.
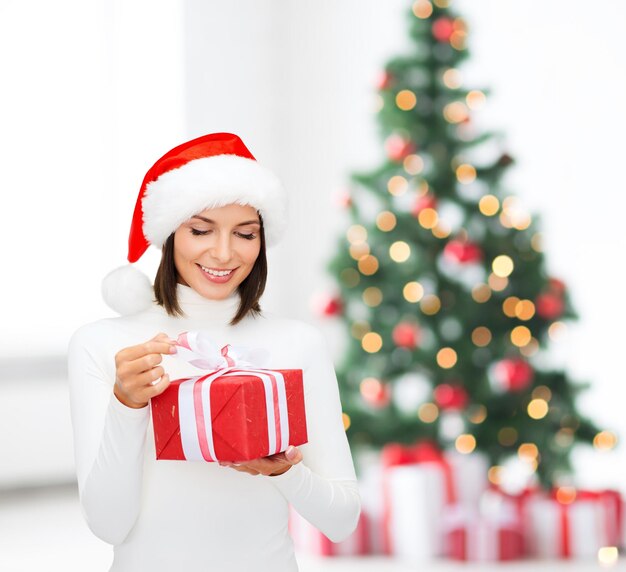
(257, 221)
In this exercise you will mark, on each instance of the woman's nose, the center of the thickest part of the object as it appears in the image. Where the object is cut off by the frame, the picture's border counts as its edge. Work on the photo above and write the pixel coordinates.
(222, 249)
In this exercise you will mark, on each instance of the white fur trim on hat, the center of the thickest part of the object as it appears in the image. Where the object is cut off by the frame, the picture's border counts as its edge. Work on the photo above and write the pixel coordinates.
(127, 290)
(211, 182)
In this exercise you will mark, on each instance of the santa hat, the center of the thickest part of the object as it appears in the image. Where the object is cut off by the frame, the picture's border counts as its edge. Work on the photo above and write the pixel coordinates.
(208, 172)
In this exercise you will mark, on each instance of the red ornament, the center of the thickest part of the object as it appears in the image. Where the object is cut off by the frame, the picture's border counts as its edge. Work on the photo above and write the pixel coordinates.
(450, 397)
(462, 252)
(343, 199)
(557, 286)
(375, 393)
(384, 80)
(514, 374)
(427, 201)
(443, 28)
(549, 306)
(406, 335)
(398, 147)
(333, 306)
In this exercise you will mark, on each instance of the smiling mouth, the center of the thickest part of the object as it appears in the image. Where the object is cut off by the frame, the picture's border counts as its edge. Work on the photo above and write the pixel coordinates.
(217, 271)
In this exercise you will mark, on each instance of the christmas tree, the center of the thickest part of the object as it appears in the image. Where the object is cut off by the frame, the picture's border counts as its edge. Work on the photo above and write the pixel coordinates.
(443, 287)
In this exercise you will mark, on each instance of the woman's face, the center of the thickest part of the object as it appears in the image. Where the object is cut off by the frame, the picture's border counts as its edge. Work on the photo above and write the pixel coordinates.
(219, 239)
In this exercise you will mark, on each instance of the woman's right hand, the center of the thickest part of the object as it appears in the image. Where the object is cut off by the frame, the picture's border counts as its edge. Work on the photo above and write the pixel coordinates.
(137, 371)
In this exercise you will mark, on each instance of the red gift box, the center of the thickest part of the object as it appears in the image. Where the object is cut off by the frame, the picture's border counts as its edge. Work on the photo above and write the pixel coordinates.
(233, 413)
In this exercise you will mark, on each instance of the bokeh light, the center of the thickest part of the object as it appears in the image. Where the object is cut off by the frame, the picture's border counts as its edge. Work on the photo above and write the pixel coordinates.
(455, 112)
(605, 440)
(502, 266)
(368, 265)
(372, 296)
(372, 342)
(399, 251)
(356, 233)
(465, 443)
(509, 305)
(413, 164)
(346, 421)
(413, 292)
(528, 451)
(489, 205)
(428, 218)
(476, 414)
(358, 250)
(406, 100)
(566, 495)
(538, 408)
(452, 78)
(497, 283)
(520, 336)
(428, 412)
(422, 9)
(481, 293)
(446, 358)
(386, 221)
(481, 336)
(608, 556)
(466, 174)
(397, 185)
(359, 329)
(542, 392)
(430, 304)
(525, 310)
(475, 99)
(507, 436)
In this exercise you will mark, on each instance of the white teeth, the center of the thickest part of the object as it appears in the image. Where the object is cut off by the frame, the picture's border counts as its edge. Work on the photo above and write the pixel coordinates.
(216, 272)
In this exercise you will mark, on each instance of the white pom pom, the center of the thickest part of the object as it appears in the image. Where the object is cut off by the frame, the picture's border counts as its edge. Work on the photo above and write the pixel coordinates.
(127, 290)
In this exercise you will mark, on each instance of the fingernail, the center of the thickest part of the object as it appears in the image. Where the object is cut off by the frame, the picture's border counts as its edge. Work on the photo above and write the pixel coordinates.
(290, 453)
(173, 349)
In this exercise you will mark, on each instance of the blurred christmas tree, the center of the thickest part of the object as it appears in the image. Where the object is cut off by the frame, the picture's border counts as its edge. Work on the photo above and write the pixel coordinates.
(442, 281)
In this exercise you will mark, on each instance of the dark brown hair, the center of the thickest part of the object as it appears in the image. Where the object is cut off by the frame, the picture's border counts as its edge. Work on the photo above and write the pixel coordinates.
(250, 290)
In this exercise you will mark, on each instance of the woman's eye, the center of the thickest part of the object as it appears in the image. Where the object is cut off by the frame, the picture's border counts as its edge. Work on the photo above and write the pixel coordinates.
(247, 236)
(198, 232)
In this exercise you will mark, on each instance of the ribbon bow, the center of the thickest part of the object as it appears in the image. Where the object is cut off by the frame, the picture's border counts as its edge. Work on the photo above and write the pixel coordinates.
(200, 350)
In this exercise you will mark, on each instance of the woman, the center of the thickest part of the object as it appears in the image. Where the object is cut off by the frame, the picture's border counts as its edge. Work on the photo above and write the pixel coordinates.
(211, 208)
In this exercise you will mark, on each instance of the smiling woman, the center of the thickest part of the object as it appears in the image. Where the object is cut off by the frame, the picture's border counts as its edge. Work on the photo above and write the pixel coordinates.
(211, 208)
(215, 252)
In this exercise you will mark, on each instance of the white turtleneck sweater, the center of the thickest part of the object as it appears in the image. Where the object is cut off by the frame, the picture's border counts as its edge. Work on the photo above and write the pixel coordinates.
(198, 516)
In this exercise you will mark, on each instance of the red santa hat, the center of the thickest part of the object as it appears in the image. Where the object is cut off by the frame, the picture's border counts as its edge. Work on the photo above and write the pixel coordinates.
(208, 172)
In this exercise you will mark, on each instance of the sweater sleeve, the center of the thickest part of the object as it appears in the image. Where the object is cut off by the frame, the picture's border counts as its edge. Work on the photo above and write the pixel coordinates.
(322, 487)
(109, 439)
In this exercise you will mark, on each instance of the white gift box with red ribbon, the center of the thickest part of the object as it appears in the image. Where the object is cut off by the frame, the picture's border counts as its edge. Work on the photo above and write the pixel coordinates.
(490, 533)
(419, 482)
(573, 524)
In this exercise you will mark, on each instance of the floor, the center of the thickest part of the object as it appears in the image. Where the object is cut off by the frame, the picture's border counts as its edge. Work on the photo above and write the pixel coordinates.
(41, 529)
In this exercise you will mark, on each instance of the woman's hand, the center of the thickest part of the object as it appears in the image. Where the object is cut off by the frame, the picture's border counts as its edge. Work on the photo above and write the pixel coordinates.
(270, 466)
(138, 375)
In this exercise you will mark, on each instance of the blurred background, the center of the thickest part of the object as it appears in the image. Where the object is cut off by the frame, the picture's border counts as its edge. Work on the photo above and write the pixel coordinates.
(94, 91)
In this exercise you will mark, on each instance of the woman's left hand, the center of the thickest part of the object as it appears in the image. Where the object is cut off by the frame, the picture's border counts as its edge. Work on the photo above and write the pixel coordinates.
(270, 466)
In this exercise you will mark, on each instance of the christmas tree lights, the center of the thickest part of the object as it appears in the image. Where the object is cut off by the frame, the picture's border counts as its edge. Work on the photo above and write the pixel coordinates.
(441, 279)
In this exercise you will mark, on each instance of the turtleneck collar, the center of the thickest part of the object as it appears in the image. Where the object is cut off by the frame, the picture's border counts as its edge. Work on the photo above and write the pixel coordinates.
(195, 305)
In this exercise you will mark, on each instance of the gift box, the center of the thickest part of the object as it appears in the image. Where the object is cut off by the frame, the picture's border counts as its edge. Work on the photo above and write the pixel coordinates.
(419, 482)
(492, 533)
(570, 523)
(309, 540)
(234, 412)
